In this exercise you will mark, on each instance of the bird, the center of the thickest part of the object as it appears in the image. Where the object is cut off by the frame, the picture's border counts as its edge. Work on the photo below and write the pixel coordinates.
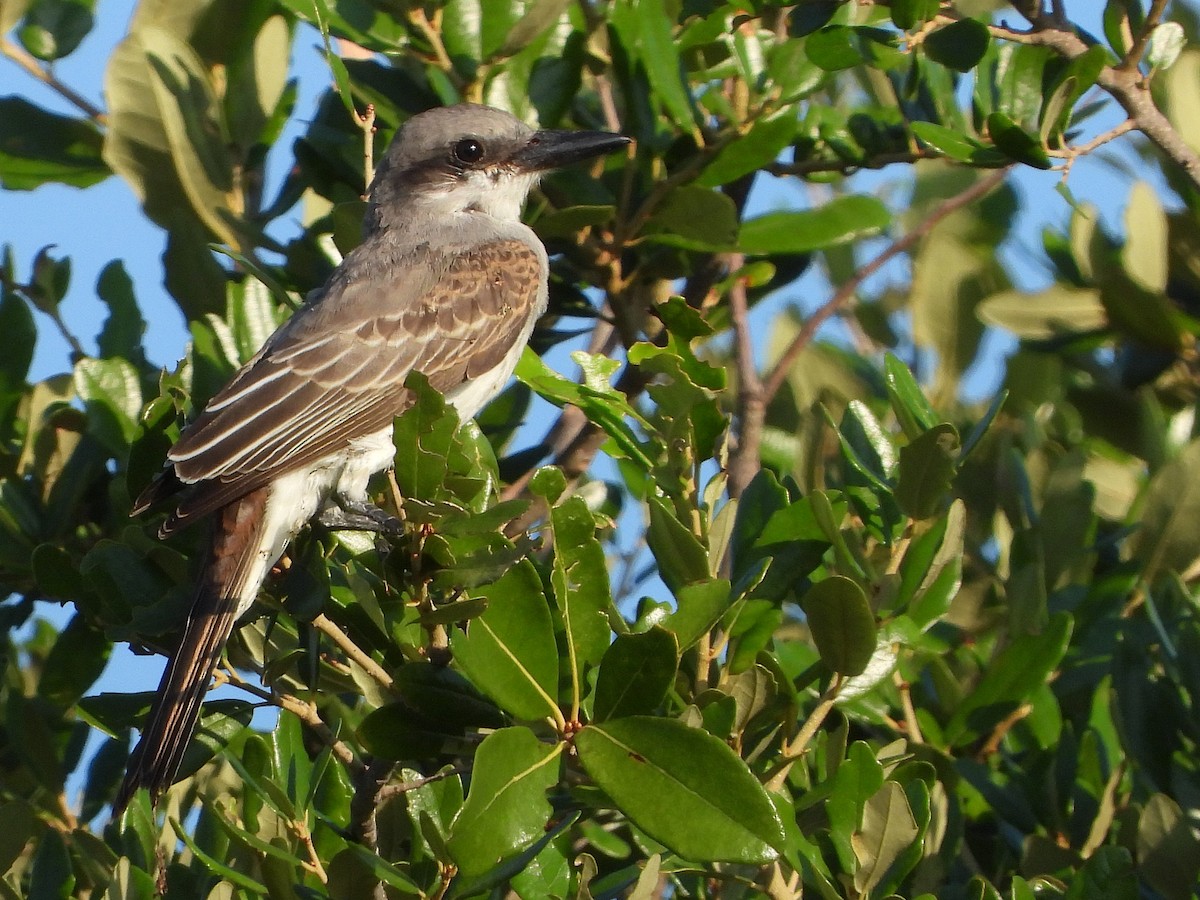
(448, 282)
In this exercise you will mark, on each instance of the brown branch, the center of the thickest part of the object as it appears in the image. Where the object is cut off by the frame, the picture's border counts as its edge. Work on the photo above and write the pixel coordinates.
(302, 710)
(46, 77)
(1126, 86)
(798, 746)
(845, 293)
(746, 459)
(368, 785)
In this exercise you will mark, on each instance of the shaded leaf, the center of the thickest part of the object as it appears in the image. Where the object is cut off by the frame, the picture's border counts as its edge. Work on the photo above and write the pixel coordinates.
(635, 674)
(841, 623)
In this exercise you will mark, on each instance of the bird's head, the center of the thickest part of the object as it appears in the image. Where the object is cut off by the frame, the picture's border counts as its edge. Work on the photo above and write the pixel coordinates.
(472, 158)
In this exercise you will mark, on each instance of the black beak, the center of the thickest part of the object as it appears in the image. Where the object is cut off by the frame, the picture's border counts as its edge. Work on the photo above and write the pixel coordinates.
(551, 149)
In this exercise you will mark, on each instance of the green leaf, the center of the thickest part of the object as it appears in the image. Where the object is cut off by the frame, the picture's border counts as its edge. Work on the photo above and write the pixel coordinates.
(959, 45)
(124, 327)
(956, 145)
(506, 808)
(510, 651)
(833, 48)
(759, 147)
(909, 403)
(888, 829)
(681, 558)
(940, 575)
(635, 674)
(1023, 665)
(217, 867)
(840, 221)
(1145, 253)
(698, 607)
(188, 112)
(604, 406)
(908, 14)
(1056, 311)
(220, 721)
(437, 708)
(580, 581)
(112, 395)
(423, 436)
(1166, 538)
(696, 218)
(51, 874)
(1167, 850)
(55, 28)
(646, 27)
(683, 787)
(18, 335)
(37, 147)
(20, 827)
(49, 280)
(842, 624)
(76, 660)
(1016, 142)
(927, 466)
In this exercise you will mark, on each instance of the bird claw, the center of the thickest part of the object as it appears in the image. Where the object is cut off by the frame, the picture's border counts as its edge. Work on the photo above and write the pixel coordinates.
(356, 515)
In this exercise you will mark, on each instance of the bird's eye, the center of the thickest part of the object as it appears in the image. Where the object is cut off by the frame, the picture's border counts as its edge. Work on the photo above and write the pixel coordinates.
(468, 150)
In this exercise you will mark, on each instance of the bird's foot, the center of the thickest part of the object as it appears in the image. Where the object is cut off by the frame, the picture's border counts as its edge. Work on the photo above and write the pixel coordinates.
(359, 515)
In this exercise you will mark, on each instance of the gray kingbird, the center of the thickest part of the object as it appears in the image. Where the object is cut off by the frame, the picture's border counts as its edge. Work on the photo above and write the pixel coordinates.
(447, 282)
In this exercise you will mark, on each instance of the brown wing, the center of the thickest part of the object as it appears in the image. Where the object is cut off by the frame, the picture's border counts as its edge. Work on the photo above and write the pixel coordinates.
(335, 371)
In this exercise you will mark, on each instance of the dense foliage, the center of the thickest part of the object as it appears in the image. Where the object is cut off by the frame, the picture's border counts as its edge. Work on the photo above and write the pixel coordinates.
(762, 613)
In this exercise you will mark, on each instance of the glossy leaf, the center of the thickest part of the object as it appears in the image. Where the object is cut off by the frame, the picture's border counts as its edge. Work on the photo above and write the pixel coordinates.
(506, 807)
(510, 651)
(682, 786)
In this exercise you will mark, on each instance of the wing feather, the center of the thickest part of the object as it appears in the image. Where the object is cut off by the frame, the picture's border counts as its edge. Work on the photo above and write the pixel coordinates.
(335, 371)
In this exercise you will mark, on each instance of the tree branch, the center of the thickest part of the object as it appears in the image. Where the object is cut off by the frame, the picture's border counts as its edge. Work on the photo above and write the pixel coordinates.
(327, 627)
(751, 406)
(46, 77)
(845, 293)
(1126, 85)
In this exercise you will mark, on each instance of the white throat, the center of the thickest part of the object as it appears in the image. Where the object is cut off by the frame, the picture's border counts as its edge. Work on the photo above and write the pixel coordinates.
(499, 193)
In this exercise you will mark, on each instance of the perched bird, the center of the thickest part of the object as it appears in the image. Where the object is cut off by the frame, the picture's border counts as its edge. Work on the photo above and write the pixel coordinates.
(447, 282)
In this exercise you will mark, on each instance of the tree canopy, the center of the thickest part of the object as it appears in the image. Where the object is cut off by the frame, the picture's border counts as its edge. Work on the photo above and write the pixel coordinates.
(746, 597)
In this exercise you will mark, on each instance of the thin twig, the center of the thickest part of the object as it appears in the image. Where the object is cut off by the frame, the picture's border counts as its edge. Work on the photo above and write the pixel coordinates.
(775, 379)
(366, 122)
(46, 77)
(302, 710)
(746, 458)
(327, 627)
(798, 746)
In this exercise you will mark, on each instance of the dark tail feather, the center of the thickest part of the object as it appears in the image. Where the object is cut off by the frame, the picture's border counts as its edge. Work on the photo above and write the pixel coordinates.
(176, 709)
